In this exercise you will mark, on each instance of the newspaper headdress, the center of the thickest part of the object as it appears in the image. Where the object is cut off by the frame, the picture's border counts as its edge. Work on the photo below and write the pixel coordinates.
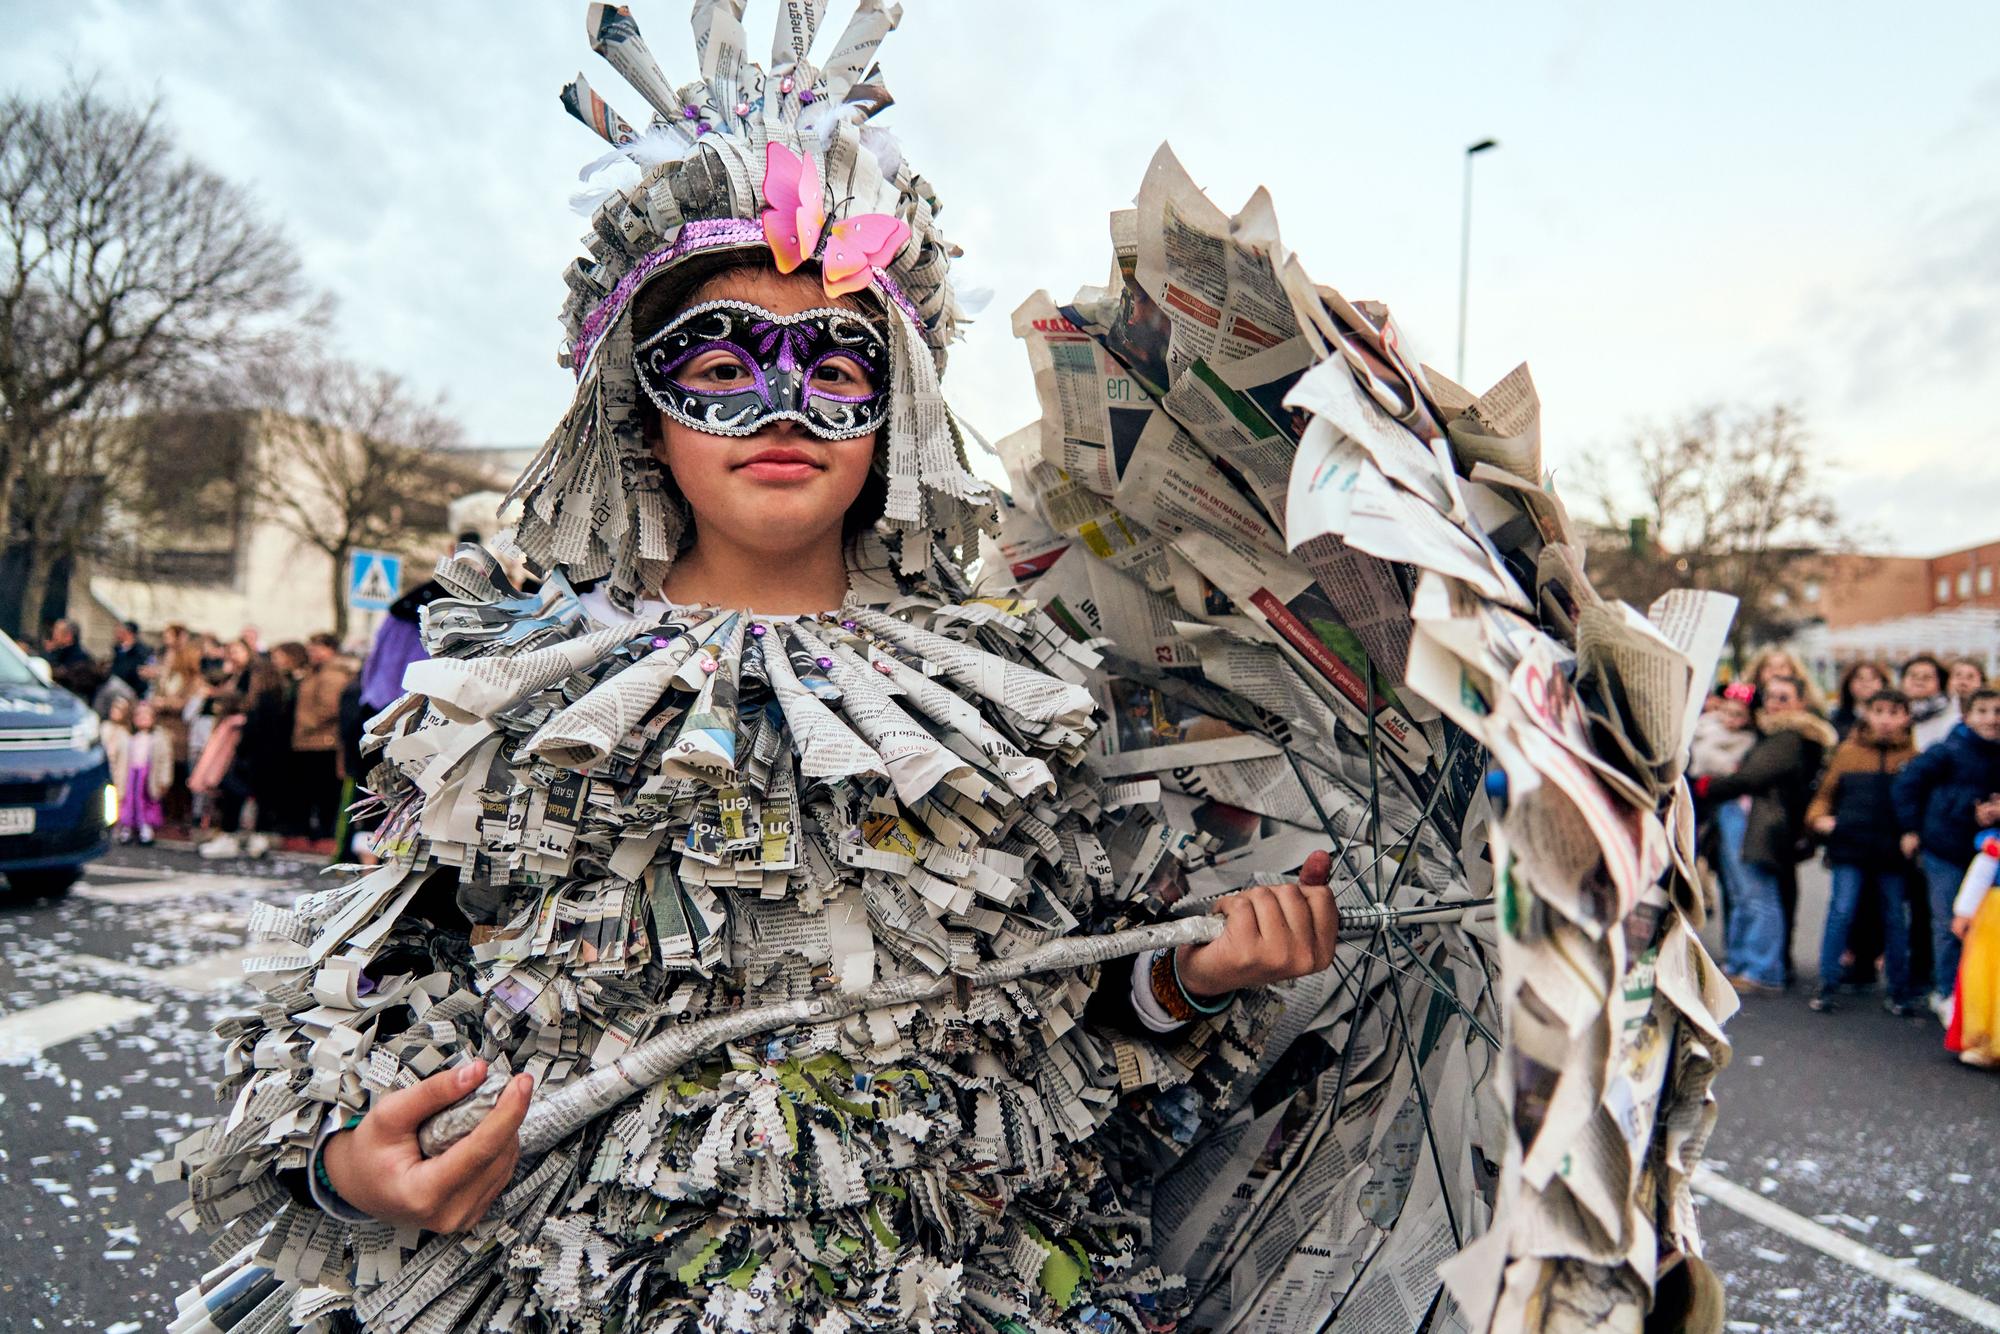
(744, 163)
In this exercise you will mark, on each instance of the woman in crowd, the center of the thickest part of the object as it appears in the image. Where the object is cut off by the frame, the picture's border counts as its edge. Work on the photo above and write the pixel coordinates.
(1932, 712)
(207, 778)
(258, 770)
(179, 684)
(1772, 664)
(237, 660)
(1861, 682)
(1760, 845)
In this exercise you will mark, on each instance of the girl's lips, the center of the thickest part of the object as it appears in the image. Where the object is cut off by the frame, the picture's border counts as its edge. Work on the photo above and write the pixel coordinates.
(779, 469)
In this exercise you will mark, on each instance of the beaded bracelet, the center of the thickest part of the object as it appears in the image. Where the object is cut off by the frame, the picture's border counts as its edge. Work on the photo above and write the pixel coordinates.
(320, 1178)
(1172, 993)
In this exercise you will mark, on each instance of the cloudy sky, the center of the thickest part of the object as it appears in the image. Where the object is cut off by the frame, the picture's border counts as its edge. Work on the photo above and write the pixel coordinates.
(1695, 203)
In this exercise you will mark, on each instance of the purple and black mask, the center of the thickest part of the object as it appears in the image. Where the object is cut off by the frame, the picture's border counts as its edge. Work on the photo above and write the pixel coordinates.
(731, 368)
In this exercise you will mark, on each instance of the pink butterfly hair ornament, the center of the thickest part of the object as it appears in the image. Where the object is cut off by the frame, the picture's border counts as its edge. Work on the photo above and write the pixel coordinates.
(797, 205)
(796, 217)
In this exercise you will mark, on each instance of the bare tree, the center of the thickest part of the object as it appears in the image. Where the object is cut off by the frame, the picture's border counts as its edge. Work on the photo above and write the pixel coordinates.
(1724, 498)
(125, 268)
(58, 498)
(350, 460)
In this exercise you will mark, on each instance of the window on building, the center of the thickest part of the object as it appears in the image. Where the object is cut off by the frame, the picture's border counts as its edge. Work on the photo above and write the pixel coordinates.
(1965, 583)
(1985, 579)
(1944, 588)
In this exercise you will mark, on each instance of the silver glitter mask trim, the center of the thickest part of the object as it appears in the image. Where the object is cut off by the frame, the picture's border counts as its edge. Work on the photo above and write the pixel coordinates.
(780, 356)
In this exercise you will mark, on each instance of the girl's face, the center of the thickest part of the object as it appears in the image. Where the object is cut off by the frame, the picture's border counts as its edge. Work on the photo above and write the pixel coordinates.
(1736, 714)
(1965, 678)
(121, 711)
(783, 489)
(142, 718)
(1773, 668)
(1866, 684)
(237, 654)
(1920, 680)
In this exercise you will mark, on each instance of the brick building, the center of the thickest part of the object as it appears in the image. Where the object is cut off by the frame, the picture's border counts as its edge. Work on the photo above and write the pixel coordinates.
(1859, 590)
(1890, 607)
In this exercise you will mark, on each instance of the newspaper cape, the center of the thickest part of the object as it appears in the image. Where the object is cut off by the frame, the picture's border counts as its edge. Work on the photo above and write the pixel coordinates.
(1262, 585)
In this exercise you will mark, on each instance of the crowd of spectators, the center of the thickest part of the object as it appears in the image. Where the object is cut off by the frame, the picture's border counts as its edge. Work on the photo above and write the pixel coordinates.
(1897, 785)
(237, 745)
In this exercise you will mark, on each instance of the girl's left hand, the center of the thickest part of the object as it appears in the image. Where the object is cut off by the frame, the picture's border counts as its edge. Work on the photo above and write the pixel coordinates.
(1272, 932)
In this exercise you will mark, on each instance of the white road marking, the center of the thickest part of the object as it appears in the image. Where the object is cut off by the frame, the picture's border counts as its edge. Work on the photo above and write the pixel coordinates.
(203, 974)
(182, 887)
(106, 870)
(1910, 1279)
(26, 1034)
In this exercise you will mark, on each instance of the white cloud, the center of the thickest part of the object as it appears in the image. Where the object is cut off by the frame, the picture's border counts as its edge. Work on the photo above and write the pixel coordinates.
(1676, 215)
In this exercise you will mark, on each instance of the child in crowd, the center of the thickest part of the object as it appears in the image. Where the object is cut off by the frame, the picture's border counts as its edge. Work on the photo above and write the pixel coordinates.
(147, 773)
(1962, 678)
(116, 734)
(1974, 1031)
(1944, 798)
(1723, 735)
(1855, 813)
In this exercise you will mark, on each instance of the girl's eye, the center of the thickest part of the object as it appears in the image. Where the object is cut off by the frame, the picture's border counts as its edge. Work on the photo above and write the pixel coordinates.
(714, 370)
(842, 375)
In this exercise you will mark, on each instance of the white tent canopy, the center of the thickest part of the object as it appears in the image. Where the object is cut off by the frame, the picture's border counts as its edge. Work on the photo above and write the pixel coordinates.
(1964, 632)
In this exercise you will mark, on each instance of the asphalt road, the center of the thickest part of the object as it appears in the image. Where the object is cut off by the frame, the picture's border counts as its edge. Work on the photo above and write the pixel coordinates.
(1865, 1124)
(1854, 1119)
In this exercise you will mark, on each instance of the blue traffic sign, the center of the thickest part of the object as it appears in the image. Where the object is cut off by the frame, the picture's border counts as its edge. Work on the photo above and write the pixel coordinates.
(374, 580)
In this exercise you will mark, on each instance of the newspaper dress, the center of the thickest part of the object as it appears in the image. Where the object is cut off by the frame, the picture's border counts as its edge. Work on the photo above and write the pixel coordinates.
(1266, 583)
(612, 822)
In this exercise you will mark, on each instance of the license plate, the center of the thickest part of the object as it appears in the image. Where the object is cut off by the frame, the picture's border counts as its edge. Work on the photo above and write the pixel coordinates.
(17, 820)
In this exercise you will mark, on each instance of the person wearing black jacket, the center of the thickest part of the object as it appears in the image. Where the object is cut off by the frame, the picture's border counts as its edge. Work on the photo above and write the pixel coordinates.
(1760, 844)
(261, 769)
(1855, 813)
(129, 657)
(1944, 798)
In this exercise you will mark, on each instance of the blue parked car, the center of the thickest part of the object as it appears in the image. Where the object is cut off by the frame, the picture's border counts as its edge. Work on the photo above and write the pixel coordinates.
(57, 804)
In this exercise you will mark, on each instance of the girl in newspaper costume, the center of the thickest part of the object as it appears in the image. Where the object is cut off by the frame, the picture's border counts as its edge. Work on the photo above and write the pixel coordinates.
(606, 814)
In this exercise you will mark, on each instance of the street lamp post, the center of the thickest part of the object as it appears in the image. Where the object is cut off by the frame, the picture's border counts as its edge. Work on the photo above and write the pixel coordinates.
(1465, 246)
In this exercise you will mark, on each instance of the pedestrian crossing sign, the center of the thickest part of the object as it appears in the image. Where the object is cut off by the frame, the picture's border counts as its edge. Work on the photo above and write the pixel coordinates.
(374, 580)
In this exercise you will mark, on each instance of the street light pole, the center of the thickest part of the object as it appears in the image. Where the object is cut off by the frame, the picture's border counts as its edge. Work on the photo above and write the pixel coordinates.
(1465, 246)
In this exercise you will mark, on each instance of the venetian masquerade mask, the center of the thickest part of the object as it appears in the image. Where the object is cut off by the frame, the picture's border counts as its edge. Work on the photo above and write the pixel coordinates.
(732, 368)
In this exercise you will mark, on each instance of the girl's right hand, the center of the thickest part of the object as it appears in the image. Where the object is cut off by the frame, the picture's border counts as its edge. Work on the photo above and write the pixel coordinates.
(1961, 925)
(378, 1168)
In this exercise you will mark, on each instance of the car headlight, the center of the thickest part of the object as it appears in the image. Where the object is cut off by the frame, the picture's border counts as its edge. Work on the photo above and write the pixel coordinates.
(110, 805)
(84, 734)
